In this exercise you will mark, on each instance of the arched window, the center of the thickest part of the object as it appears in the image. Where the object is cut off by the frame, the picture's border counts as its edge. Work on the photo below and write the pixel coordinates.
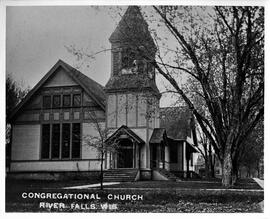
(128, 58)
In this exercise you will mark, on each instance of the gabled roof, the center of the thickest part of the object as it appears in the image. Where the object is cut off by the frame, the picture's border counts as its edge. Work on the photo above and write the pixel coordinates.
(158, 135)
(125, 130)
(91, 87)
(178, 122)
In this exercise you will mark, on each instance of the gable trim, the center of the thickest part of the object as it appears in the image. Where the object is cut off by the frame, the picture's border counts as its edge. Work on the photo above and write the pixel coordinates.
(66, 67)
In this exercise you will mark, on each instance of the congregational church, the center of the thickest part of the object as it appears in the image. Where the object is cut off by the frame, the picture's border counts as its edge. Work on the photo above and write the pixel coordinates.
(49, 125)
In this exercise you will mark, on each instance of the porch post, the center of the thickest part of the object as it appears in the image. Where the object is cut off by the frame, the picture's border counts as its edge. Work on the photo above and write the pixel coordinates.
(158, 156)
(187, 159)
(133, 154)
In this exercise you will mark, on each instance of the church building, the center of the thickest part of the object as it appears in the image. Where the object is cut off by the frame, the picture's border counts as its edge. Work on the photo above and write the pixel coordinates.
(50, 124)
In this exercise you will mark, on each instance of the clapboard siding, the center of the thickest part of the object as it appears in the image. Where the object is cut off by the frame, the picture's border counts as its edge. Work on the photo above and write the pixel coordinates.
(89, 133)
(53, 166)
(26, 142)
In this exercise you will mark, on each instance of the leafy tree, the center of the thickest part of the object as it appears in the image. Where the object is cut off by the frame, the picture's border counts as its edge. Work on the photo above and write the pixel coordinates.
(223, 50)
(14, 94)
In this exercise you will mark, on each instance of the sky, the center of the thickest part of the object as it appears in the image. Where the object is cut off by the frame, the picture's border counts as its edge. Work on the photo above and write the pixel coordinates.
(37, 37)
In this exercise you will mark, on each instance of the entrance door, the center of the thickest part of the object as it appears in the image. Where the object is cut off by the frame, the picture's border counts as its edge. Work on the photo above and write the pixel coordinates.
(125, 155)
(125, 158)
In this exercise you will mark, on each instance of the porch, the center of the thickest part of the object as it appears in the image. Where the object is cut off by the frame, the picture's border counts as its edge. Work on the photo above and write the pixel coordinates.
(173, 155)
(127, 153)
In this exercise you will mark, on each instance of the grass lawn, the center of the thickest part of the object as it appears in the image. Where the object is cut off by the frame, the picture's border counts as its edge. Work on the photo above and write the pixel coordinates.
(188, 184)
(163, 196)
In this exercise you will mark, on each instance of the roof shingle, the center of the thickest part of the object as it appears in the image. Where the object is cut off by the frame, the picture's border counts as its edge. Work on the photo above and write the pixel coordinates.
(177, 121)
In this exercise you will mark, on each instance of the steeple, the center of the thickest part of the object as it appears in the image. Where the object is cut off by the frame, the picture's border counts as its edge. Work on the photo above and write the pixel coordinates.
(133, 50)
(133, 29)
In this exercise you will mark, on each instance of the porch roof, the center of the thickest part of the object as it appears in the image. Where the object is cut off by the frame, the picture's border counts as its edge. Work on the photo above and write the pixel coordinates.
(158, 135)
(125, 130)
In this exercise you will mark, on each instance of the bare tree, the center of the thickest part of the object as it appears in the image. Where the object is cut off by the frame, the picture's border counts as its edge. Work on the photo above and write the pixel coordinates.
(99, 141)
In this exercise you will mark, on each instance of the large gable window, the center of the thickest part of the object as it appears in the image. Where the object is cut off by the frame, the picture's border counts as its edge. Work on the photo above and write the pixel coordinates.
(76, 130)
(55, 141)
(70, 136)
(66, 140)
(45, 152)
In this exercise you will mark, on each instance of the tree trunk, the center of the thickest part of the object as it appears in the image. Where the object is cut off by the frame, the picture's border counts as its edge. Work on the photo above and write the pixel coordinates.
(206, 163)
(234, 175)
(234, 171)
(227, 168)
(101, 172)
(213, 170)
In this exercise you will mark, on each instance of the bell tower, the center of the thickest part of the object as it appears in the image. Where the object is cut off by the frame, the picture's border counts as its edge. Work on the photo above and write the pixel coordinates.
(131, 92)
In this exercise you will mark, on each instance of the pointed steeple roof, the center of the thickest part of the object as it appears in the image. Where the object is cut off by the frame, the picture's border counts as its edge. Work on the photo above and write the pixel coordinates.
(132, 28)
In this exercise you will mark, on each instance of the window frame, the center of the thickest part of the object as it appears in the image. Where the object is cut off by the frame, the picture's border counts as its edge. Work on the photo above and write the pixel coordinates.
(74, 95)
(66, 95)
(53, 98)
(61, 141)
(43, 101)
(42, 141)
(69, 140)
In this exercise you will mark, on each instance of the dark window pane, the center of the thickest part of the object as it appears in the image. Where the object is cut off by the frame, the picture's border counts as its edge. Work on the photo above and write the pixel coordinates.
(55, 140)
(65, 140)
(45, 151)
(56, 101)
(128, 58)
(76, 142)
(66, 100)
(76, 100)
(174, 153)
(47, 101)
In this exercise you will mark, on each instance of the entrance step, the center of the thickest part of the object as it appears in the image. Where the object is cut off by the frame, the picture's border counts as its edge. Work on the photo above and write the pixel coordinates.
(170, 176)
(120, 175)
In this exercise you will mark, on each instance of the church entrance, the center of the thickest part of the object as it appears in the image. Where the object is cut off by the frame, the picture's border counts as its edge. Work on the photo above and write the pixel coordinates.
(125, 154)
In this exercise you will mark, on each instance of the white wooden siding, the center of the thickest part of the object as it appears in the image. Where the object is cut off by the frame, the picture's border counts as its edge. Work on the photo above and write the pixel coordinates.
(55, 166)
(111, 111)
(89, 132)
(25, 142)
